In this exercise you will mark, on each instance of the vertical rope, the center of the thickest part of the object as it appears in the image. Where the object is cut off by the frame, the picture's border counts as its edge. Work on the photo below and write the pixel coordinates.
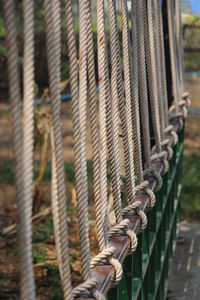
(28, 131)
(133, 59)
(128, 87)
(127, 140)
(79, 135)
(60, 193)
(179, 44)
(94, 130)
(151, 70)
(82, 201)
(102, 111)
(27, 286)
(122, 225)
(158, 63)
(171, 26)
(138, 24)
(158, 12)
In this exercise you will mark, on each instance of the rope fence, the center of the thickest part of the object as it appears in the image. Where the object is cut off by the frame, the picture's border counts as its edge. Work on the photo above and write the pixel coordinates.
(130, 121)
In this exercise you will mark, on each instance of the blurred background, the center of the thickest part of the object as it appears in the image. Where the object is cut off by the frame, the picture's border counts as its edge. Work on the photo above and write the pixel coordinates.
(45, 263)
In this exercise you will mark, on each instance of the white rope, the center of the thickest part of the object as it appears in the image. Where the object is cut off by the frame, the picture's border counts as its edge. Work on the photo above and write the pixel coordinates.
(24, 209)
(138, 25)
(59, 192)
(28, 143)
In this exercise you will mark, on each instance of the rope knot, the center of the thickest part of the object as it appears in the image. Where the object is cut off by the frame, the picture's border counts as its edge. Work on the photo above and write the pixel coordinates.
(84, 287)
(186, 97)
(165, 146)
(169, 129)
(161, 156)
(143, 186)
(151, 171)
(123, 226)
(106, 254)
(136, 208)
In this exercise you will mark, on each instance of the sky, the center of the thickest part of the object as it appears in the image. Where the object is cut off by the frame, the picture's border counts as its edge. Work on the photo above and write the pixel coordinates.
(195, 6)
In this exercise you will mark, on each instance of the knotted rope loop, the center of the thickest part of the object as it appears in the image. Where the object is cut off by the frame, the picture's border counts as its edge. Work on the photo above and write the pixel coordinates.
(123, 227)
(169, 130)
(161, 156)
(183, 109)
(165, 146)
(135, 207)
(143, 186)
(106, 255)
(151, 171)
(84, 287)
(186, 97)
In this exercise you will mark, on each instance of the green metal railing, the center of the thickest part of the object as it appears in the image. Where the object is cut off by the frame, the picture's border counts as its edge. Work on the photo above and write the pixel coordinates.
(146, 271)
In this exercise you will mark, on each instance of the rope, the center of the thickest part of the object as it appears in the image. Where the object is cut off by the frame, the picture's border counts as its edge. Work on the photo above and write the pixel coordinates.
(28, 142)
(151, 70)
(132, 65)
(178, 109)
(168, 128)
(94, 130)
(59, 214)
(27, 286)
(124, 117)
(156, 106)
(138, 23)
(127, 78)
(170, 10)
(158, 63)
(179, 42)
(139, 12)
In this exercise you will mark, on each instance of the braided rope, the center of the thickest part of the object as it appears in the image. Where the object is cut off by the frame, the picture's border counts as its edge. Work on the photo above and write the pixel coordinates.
(123, 227)
(94, 130)
(126, 134)
(90, 283)
(158, 63)
(55, 211)
(27, 285)
(135, 208)
(131, 64)
(151, 171)
(152, 78)
(179, 47)
(158, 13)
(59, 191)
(106, 254)
(28, 142)
(170, 9)
(106, 118)
(143, 186)
(138, 21)
(161, 156)
(169, 129)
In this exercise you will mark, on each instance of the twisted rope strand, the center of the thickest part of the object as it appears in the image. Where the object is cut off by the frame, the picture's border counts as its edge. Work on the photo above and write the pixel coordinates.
(28, 131)
(94, 130)
(127, 142)
(127, 81)
(133, 65)
(27, 285)
(170, 9)
(138, 22)
(54, 81)
(151, 63)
